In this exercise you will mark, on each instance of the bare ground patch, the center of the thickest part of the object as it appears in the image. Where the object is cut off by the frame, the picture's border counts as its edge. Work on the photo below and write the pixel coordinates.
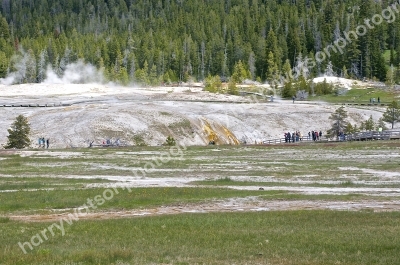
(231, 205)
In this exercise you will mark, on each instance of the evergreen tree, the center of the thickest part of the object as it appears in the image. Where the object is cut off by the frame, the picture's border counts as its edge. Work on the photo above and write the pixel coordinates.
(294, 45)
(123, 76)
(232, 88)
(287, 71)
(362, 126)
(345, 74)
(3, 64)
(288, 90)
(392, 113)
(252, 66)
(170, 141)
(42, 66)
(302, 85)
(4, 29)
(153, 78)
(213, 84)
(239, 73)
(369, 124)
(272, 47)
(197, 38)
(30, 76)
(260, 56)
(350, 129)
(356, 129)
(272, 72)
(339, 121)
(381, 125)
(390, 76)
(19, 133)
(353, 52)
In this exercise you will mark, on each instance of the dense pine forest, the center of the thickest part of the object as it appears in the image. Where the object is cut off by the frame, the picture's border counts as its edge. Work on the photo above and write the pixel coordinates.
(155, 41)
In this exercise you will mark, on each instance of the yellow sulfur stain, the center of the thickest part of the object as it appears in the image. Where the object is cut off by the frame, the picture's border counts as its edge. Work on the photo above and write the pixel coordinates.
(219, 134)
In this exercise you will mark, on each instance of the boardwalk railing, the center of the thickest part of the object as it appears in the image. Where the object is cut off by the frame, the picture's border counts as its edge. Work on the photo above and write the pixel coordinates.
(362, 136)
(300, 140)
(374, 135)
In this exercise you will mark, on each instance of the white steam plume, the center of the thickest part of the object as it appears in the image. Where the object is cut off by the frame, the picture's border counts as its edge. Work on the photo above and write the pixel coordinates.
(75, 73)
(20, 66)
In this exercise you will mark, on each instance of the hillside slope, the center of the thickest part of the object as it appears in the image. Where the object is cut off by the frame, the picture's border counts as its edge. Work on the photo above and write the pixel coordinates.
(78, 114)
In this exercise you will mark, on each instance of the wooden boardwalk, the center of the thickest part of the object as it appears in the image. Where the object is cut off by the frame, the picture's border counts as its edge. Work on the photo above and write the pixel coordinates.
(362, 136)
(304, 139)
(374, 135)
(34, 105)
(365, 104)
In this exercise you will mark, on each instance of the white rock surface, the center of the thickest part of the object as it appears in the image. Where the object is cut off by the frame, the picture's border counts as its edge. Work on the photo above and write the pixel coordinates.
(99, 112)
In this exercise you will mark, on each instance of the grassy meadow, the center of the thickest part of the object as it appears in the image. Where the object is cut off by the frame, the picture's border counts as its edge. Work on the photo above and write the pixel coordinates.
(360, 96)
(287, 237)
(43, 182)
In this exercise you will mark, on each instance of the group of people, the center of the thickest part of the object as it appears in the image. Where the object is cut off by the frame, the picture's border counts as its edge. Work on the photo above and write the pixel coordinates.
(293, 137)
(297, 136)
(44, 142)
(315, 135)
(341, 136)
(109, 142)
(372, 100)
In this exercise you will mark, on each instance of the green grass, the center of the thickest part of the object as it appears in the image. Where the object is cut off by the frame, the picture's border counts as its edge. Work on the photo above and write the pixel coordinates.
(41, 200)
(292, 237)
(287, 237)
(37, 202)
(4, 219)
(20, 183)
(359, 96)
(347, 183)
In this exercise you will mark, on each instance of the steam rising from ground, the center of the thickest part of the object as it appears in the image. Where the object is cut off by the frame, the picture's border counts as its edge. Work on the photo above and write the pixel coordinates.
(9, 80)
(27, 70)
(21, 65)
(75, 73)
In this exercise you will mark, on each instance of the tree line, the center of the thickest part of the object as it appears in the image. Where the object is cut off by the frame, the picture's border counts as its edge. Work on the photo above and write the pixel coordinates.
(341, 125)
(156, 41)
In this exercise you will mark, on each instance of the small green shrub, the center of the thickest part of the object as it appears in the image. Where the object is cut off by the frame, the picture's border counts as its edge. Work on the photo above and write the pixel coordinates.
(139, 141)
(170, 141)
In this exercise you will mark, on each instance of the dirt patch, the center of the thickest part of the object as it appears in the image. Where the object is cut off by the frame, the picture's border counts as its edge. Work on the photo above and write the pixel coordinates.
(8, 152)
(231, 205)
